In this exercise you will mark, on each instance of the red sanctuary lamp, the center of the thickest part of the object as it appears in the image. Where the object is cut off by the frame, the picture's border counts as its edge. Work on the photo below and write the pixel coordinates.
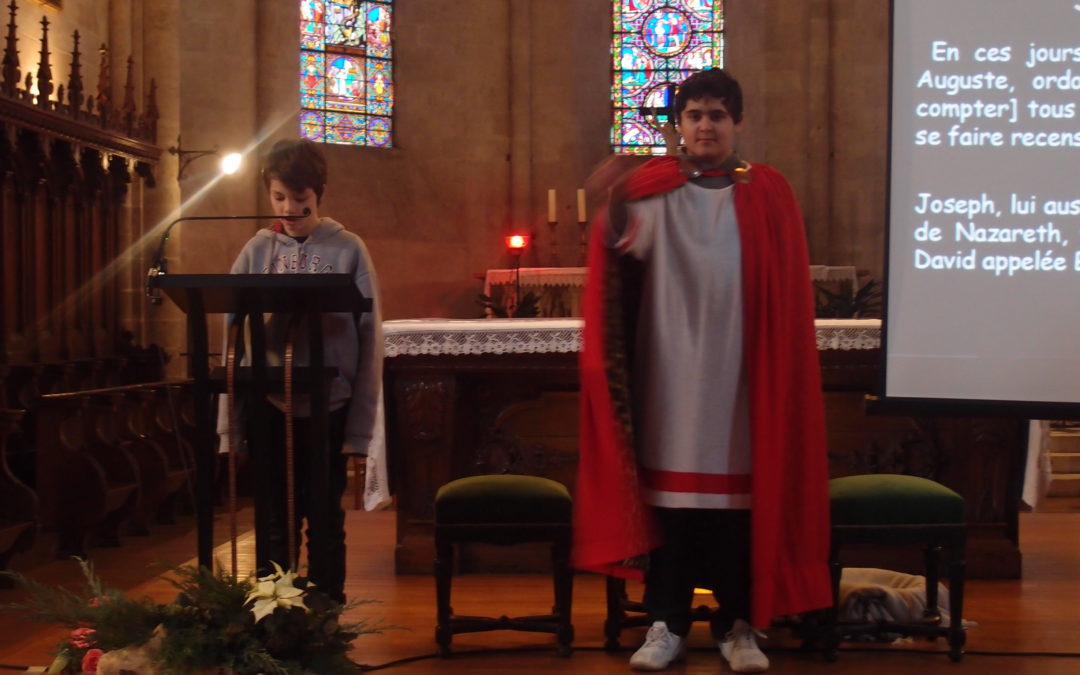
(515, 246)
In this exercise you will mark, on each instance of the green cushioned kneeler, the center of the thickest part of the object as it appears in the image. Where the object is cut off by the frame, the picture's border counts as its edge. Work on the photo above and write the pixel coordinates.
(503, 498)
(893, 499)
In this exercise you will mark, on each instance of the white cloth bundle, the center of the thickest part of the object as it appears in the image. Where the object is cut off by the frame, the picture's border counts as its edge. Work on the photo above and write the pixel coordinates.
(868, 594)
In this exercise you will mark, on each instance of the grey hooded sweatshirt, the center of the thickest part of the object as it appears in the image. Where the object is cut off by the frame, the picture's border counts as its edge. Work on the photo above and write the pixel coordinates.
(355, 348)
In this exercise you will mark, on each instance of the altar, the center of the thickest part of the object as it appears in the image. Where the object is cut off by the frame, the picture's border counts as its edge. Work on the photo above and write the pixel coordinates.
(448, 381)
(559, 290)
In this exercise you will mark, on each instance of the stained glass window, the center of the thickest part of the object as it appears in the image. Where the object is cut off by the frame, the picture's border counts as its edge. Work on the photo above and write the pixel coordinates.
(347, 72)
(655, 44)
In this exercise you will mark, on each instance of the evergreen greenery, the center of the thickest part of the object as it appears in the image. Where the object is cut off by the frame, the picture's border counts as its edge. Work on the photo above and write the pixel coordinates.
(865, 303)
(209, 625)
(529, 306)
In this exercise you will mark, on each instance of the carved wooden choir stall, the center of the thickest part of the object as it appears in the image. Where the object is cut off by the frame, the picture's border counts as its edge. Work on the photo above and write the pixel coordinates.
(111, 459)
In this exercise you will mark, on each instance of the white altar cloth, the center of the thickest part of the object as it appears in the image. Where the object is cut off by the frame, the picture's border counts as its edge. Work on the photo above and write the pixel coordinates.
(536, 276)
(413, 337)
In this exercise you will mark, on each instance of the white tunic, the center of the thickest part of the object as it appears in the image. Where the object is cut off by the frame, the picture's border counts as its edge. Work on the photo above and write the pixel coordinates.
(690, 392)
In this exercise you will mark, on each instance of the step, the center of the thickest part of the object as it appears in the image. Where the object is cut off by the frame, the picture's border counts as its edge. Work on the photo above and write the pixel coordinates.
(1064, 462)
(1064, 485)
(1065, 441)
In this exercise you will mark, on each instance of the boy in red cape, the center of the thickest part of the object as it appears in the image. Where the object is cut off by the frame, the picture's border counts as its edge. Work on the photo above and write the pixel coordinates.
(703, 458)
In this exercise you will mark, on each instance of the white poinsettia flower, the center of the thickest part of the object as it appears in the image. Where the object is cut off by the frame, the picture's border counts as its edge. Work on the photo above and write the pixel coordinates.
(278, 573)
(273, 591)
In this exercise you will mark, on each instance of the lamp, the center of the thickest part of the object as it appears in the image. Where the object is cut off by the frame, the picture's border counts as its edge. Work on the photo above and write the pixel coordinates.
(230, 163)
(516, 245)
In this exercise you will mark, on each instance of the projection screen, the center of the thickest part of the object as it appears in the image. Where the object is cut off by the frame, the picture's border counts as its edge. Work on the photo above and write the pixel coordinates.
(983, 262)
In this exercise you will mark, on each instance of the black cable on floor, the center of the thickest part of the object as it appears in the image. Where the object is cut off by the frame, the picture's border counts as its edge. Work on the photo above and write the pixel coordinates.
(469, 652)
(512, 650)
(539, 648)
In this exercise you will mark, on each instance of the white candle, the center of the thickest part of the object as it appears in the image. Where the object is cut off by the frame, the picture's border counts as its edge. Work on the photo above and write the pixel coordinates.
(581, 205)
(551, 205)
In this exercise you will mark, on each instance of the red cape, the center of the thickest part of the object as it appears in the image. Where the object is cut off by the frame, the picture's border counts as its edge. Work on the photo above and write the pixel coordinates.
(790, 514)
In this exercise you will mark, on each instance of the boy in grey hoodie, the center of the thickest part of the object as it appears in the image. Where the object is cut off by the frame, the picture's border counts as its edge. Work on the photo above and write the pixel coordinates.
(303, 242)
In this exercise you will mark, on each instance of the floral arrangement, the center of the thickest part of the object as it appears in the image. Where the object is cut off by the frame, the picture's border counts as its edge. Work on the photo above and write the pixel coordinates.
(279, 624)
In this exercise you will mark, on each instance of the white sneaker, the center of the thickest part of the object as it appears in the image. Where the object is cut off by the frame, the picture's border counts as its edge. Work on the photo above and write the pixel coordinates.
(741, 651)
(661, 648)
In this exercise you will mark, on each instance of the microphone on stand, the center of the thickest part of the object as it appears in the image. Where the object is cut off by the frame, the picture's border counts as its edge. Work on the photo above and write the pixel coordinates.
(158, 266)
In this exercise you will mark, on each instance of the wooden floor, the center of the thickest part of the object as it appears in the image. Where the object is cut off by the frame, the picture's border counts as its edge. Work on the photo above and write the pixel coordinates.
(1039, 615)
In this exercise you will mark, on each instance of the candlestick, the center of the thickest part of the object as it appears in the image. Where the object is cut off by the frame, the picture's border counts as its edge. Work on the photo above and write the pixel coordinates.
(581, 205)
(584, 240)
(551, 205)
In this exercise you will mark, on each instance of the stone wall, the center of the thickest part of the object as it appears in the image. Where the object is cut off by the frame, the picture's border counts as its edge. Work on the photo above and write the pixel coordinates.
(497, 101)
(816, 75)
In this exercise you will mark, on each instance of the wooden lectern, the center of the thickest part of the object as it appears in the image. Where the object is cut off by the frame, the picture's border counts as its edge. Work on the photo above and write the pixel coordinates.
(247, 297)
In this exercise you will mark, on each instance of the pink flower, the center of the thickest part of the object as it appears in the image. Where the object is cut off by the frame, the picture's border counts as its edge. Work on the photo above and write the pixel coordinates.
(90, 661)
(83, 638)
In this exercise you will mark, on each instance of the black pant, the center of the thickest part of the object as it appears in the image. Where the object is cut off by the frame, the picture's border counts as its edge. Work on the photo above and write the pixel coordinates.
(326, 541)
(706, 548)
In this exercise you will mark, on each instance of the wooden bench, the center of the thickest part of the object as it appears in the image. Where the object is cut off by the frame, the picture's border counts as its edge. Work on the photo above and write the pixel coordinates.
(125, 437)
(18, 503)
(87, 484)
(171, 428)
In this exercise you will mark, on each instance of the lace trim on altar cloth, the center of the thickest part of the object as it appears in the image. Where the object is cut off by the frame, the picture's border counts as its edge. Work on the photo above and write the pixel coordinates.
(436, 337)
(573, 277)
(833, 273)
(482, 336)
(848, 334)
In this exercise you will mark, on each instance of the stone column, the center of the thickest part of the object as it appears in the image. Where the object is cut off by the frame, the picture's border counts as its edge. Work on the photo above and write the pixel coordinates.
(218, 66)
(519, 91)
(277, 77)
(163, 324)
